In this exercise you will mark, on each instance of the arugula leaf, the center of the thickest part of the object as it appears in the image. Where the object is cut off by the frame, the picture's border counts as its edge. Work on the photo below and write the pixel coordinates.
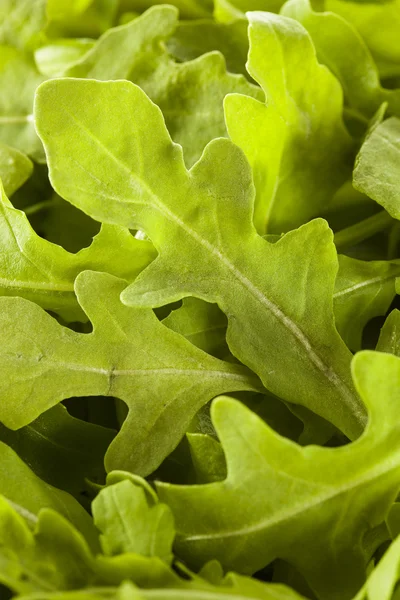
(128, 523)
(38, 270)
(192, 39)
(203, 324)
(21, 22)
(378, 24)
(363, 290)
(56, 57)
(188, 9)
(186, 93)
(296, 143)
(343, 50)
(349, 488)
(15, 168)
(35, 495)
(19, 74)
(389, 340)
(126, 357)
(61, 450)
(276, 325)
(377, 171)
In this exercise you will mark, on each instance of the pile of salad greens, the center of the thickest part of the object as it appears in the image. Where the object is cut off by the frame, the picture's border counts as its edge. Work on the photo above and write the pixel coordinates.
(199, 269)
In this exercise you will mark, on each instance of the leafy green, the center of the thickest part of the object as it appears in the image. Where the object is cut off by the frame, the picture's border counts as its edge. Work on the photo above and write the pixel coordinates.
(15, 168)
(44, 272)
(350, 489)
(46, 362)
(186, 93)
(376, 171)
(342, 49)
(196, 248)
(269, 328)
(296, 143)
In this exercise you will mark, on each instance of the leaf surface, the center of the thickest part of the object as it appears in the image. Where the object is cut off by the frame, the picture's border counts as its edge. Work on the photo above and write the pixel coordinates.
(296, 143)
(163, 379)
(279, 498)
(190, 94)
(43, 272)
(377, 170)
(15, 168)
(276, 324)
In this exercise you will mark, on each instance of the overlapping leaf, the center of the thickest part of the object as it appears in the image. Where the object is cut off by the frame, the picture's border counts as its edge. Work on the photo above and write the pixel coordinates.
(341, 48)
(279, 498)
(296, 143)
(15, 168)
(190, 94)
(277, 297)
(162, 378)
(38, 270)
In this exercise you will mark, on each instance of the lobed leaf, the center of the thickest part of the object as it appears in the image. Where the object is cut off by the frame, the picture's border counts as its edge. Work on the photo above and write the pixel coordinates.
(277, 297)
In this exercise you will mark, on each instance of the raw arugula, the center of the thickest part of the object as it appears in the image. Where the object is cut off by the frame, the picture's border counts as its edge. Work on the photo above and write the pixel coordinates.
(199, 324)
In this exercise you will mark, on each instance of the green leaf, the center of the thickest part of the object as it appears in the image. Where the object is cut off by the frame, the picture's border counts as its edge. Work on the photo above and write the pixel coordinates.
(203, 324)
(363, 290)
(382, 582)
(28, 494)
(192, 39)
(19, 79)
(340, 47)
(377, 170)
(162, 378)
(81, 18)
(277, 324)
(53, 557)
(190, 95)
(129, 523)
(296, 143)
(21, 22)
(61, 450)
(208, 458)
(378, 24)
(389, 339)
(188, 9)
(53, 59)
(15, 168)
(43, 272)
(291, 498)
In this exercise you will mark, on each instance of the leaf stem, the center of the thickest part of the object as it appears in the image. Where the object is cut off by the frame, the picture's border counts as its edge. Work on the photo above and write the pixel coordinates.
(362, 230)
(31, 210)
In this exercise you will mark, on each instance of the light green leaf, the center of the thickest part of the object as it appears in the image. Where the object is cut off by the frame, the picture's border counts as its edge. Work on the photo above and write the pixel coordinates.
(18, 82)
(130, 355)
(71, 21)
(21, 22)
(207, 457)
(188, 9)
(43, 272)
(279, 498)
(296, 143)
(382, 582)
(54, 556)
(277, 297)
(29, 494)
(129, 523)
(341, 48)
(203, 324)
(192, 39)
(377, 170)
(53, 59)
(190, 95)
(363, 290)
(15, 168)
(389, 339)
(60, 9)
(378, 24)
(62, 450)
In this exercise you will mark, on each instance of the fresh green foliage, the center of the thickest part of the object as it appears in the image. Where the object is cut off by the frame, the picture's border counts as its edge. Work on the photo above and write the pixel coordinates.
(199, 314)
(296, 143)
